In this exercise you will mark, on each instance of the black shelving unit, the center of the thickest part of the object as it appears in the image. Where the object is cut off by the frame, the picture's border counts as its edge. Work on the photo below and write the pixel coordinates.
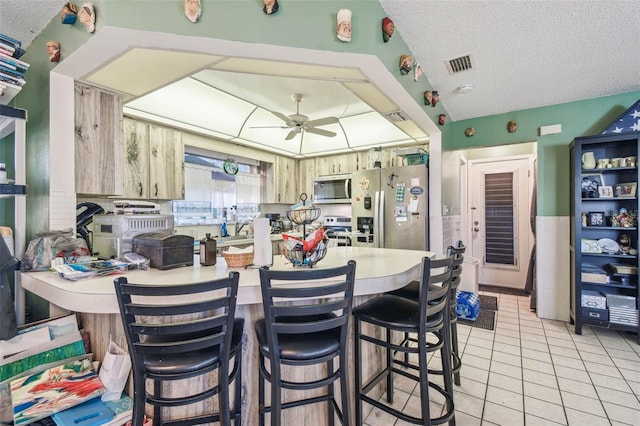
(596, 285)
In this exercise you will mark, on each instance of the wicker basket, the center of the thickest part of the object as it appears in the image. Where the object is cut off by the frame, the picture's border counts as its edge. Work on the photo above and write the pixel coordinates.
(238, 260)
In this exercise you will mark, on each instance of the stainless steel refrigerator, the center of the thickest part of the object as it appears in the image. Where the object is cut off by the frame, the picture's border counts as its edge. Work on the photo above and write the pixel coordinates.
(390, 207)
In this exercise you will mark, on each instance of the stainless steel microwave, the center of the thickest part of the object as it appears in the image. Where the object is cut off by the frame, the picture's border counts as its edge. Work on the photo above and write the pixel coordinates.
(332, 189)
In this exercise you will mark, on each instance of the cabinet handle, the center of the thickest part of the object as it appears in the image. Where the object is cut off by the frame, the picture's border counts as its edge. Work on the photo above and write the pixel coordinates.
(334, 168)
(339, 168)
(156, 185)
(140, 189)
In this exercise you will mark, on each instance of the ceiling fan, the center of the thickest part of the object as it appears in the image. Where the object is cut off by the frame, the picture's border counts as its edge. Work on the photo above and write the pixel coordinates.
(299, 123)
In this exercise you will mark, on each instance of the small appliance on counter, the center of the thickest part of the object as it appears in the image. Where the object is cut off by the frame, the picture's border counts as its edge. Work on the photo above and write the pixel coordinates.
(275, 222)
(112, 233)
(164, 251)
(135, 207)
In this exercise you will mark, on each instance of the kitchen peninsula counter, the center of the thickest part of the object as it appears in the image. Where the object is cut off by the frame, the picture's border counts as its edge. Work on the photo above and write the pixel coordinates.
(377, 271)
(93, 299)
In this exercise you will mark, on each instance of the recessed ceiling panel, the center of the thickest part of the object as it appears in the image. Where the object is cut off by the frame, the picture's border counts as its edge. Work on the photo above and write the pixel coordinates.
(320, 98)
(368, 129)
(372, 96)
(197, 104)
(140, 71)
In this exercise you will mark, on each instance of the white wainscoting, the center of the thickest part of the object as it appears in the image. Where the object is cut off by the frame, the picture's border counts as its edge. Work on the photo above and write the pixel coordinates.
(553, 267)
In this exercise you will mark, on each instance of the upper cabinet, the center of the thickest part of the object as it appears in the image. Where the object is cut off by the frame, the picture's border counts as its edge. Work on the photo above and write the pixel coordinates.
(153, 161)
(286, 189)
(98, 141)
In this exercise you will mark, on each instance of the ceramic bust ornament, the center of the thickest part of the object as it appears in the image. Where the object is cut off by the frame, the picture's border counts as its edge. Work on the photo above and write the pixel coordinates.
(270, 7)
(344, 25)
(388, 28)
(435, 98)
(53, 49)
(512, 126)
(428, 95)
(87, 16)
(69, 13)
(441, 119)
(406, 63)
(417, 72)
(192, 10)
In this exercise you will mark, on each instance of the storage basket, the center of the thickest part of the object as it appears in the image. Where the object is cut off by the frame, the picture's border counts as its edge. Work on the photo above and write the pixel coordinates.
(299, 257)
(238, 260)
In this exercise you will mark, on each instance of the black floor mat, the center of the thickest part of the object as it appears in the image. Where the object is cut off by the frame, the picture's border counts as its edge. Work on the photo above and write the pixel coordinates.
(502, 290)
(487, 316)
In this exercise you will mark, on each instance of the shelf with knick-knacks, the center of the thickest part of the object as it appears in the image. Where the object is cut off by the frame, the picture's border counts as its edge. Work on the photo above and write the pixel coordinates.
(605, 237)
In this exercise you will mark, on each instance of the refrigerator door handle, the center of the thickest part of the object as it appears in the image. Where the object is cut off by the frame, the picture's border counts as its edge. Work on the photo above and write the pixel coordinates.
(380, 217)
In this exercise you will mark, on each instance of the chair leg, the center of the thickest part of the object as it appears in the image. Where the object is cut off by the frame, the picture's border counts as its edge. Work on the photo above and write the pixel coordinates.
(389, 368)
(261, 393)
(238, 390)
(455, 350)
(344, 390)
(223, 397)
(157, 392)
(445, 356)
(276, 394)
(424, 380)
(358, 370)
(331, 392)
(139, 394)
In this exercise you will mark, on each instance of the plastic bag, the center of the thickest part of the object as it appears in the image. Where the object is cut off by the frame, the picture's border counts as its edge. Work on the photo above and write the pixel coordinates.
(468, 305)
(49, 245)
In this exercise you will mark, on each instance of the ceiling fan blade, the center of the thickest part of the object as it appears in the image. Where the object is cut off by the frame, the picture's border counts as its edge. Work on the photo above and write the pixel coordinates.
(283, 118)
(322, 121)
(268, 127)
(320, 132)
(292, 134)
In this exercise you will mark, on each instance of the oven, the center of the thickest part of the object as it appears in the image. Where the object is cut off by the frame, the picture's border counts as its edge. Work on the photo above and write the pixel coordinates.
(338, 228)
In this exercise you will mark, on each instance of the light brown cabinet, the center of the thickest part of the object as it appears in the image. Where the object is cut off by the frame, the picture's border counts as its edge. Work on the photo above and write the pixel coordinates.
(153, 161)
(98, 141)
(286, 188)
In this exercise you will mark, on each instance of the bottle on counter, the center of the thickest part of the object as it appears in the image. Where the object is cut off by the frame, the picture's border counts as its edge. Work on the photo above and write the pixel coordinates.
(3, 173)
(208, 251)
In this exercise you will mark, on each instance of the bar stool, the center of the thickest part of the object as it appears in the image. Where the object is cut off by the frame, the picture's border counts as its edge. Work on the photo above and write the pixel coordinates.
(306, 323)
(428, 318)
(183, 331)
(410, 291)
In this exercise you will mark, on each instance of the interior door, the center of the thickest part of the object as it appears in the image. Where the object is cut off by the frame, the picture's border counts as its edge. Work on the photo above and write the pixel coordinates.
(499, 212)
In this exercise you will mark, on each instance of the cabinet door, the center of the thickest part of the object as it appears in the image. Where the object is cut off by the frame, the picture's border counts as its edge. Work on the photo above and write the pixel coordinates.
(307, 173)
(98, 141)
(286, 180)
(166, 163)
(136, 159)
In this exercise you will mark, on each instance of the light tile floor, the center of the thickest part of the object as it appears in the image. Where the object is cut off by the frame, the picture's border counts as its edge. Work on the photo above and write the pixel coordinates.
(534, 372)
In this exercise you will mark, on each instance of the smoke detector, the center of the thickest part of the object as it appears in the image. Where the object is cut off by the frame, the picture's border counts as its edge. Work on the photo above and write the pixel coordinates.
(465, 88)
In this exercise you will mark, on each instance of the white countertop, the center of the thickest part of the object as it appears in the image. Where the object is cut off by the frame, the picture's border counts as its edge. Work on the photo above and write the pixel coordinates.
(377, 271)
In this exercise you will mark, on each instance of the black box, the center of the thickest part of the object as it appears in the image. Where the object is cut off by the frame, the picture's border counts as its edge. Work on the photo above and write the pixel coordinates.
(164, 251)
(595, 314)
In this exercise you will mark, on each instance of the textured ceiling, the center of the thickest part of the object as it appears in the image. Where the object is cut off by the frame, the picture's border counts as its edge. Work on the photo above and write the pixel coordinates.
(525, 54)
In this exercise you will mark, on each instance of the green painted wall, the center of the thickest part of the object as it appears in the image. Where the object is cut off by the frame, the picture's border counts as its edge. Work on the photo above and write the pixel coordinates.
(581, 118)
(299, 23)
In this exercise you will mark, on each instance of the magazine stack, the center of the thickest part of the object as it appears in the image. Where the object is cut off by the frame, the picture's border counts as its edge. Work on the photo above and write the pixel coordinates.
(12, 69)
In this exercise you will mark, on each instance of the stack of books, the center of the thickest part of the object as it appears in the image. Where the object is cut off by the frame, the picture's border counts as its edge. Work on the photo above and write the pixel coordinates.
(12, 69)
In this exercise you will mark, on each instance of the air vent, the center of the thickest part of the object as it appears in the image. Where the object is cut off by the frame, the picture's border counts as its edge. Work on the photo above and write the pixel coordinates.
(396, 116)
(459, 64)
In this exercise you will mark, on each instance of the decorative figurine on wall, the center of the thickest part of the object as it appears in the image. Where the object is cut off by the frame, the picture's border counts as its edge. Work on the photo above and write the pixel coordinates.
(388, 28)
(53, 49)
(193, 10)
(428, 95)
(435, 98)
(270, 7)
(406, 63)
(512, 126)
(344, 25)
(69, 13)
(87, 16)
(441, 119)
(417, 72)
(470, 132)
